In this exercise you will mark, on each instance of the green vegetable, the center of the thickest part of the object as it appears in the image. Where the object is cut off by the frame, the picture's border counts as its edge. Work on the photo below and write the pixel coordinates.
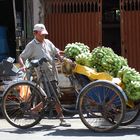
(131, 79)
(105, 60)
(84, 59)
(74, 49)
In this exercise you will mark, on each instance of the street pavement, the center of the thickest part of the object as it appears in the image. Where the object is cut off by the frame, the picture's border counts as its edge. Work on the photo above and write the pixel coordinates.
(49, 129)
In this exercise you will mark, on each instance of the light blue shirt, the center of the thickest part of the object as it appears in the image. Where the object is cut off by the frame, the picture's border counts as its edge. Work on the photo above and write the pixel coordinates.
(37, 50)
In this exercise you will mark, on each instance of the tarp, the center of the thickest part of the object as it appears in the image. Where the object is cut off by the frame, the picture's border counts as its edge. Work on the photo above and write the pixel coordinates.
(91, 73)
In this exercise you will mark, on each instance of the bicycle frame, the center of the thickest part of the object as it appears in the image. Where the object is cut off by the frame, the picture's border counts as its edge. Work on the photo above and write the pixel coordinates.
(47, 90)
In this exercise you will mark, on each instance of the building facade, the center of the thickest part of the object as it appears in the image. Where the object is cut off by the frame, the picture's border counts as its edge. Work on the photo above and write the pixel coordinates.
(109, 23)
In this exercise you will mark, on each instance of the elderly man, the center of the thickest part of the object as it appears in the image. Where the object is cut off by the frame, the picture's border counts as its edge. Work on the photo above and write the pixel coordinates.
(40, 47)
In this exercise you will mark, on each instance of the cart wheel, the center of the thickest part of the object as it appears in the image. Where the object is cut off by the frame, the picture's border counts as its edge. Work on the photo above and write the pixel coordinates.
(101, 106)
(131, 116)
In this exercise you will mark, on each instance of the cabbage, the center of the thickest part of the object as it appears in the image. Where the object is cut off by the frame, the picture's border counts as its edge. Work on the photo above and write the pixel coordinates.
(131, 80)
(84, 59)
(105, 60)
(73, 49)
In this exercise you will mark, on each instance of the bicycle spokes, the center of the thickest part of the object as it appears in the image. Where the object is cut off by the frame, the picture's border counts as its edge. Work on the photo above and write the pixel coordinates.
(18, 103)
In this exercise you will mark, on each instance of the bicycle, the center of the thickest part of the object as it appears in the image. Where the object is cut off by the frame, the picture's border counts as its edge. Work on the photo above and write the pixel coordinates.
(99, 103)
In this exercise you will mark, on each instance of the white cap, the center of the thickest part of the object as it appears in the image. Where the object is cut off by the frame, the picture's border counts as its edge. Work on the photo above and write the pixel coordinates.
(41, 28)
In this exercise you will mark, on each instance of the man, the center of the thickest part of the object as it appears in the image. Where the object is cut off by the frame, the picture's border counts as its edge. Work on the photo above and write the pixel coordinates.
(38, 48)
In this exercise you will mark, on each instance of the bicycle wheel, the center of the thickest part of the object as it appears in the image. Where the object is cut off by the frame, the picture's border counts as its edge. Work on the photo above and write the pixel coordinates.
(101, 106)
(17, 102)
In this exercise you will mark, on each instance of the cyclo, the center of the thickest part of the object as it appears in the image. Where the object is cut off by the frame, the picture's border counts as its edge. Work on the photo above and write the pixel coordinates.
(100, 103)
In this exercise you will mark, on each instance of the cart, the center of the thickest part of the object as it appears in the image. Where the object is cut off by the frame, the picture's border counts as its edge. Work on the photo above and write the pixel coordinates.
(101, 102)
(111, 107)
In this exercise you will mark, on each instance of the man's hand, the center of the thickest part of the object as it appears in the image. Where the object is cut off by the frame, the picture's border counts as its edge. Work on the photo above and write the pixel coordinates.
(23, 68)
(22, 65)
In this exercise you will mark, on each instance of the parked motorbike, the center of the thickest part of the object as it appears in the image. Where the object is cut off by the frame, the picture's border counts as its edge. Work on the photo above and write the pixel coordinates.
(9, 72)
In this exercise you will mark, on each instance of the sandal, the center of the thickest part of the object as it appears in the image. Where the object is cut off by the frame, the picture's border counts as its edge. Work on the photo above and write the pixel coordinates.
(65, 124)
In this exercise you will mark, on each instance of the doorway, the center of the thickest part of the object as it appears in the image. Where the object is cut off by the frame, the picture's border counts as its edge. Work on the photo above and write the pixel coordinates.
(8, 32)
(7, 40)
(111, 25)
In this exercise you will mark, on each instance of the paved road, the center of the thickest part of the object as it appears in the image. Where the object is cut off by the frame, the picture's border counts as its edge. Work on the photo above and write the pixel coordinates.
(50, 130)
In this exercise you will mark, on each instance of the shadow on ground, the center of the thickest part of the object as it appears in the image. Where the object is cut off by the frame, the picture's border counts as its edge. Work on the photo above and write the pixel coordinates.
(52, 130)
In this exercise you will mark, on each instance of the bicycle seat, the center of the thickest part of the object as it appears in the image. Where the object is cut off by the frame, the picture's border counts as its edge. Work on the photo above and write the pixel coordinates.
(38, 62)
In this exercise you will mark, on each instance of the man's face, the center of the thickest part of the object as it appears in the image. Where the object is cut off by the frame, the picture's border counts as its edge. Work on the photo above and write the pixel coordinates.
(40, 37)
